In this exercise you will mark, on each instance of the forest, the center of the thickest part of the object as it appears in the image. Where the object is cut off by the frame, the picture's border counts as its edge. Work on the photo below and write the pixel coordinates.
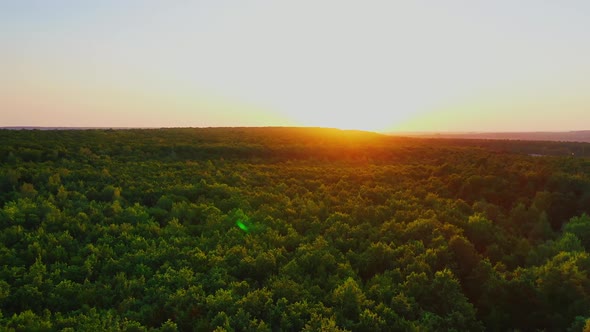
(290, 229)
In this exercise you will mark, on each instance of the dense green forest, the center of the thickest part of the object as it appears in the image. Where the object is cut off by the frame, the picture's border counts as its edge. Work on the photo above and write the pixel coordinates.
(290, 229)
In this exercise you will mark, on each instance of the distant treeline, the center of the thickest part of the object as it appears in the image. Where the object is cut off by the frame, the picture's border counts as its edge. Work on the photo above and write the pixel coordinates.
(565, 136)
(286, 143)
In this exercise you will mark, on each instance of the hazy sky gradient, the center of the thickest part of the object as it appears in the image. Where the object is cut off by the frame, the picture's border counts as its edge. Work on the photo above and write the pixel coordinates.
(377, 65)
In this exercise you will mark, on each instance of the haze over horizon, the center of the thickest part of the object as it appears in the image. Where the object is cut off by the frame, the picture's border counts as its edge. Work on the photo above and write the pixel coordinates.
(457, 66)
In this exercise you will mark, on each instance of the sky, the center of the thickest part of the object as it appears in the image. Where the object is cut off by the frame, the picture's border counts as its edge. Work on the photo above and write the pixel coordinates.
(372, 65)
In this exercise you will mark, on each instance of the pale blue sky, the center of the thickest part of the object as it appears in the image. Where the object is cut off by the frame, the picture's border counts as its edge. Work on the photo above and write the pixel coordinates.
(379, 65)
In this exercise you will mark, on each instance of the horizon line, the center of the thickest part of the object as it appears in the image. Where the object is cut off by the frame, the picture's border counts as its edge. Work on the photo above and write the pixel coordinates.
(412, 132)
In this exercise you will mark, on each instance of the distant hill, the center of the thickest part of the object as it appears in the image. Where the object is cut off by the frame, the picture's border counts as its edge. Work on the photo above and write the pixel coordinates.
(565, 136)
(66, 128)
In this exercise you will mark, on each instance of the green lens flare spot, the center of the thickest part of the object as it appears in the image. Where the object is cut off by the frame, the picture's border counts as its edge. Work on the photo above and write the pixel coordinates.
(242, 226)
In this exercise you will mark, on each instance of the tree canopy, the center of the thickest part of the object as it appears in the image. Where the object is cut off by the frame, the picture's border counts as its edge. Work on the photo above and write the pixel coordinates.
(290, 229)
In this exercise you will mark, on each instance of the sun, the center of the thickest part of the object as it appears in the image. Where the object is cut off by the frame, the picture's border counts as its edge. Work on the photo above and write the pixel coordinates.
(375, 120)
(358, 123)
